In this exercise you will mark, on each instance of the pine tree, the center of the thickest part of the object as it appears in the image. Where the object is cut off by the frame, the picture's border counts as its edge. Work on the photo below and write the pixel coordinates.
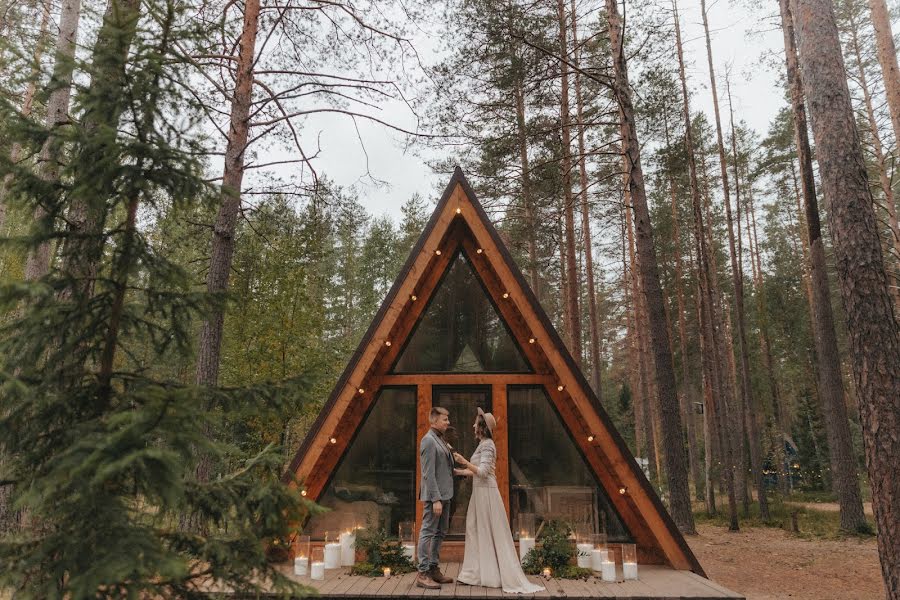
(99, 442)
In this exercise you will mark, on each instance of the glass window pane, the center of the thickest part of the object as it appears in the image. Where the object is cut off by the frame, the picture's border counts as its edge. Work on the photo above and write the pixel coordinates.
(375, 479)
(461, 331)
(462, 402)
(548, 475)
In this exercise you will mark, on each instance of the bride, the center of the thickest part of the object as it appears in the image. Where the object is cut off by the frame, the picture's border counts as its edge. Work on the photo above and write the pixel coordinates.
(490, 556)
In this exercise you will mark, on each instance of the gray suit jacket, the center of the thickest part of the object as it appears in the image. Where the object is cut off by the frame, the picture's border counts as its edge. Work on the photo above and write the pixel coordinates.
(437, 468)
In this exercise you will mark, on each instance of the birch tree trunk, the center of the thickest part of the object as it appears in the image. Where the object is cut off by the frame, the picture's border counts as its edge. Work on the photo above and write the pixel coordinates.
(830, 382)
(672, 436)
(871, 322)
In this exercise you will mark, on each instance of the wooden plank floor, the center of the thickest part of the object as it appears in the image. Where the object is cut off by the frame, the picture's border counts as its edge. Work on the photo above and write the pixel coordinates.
(655, 583)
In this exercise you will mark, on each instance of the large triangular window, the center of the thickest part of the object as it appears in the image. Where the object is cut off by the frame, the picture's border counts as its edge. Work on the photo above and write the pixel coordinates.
(548, 475)
(461, 331)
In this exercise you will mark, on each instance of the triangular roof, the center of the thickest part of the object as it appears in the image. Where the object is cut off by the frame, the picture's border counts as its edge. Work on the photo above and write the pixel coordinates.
(460, 223)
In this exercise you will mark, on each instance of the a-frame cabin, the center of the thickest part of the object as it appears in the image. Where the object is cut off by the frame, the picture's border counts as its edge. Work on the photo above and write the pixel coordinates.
(461, 328)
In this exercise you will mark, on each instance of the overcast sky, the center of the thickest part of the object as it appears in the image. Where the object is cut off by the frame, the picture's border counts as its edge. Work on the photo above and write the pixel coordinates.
(742, 38)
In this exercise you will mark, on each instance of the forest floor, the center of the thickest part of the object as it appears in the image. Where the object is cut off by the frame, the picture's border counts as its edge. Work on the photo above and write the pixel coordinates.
(769, 562)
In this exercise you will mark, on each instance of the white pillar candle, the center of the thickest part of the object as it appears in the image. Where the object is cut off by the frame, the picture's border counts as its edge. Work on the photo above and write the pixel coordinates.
(608, 570)
(332, 555)
(348, 549)
(584, 555)
(629, 570)
(525, 544)
(410, 551)
(300, 565)
(597, 557)
(317, 570)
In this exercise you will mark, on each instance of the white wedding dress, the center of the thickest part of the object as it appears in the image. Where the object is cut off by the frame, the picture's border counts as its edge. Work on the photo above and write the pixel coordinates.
(490, 555)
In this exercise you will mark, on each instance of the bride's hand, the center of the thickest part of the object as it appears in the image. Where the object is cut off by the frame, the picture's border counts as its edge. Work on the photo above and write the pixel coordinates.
(459, 458)
(460, 472)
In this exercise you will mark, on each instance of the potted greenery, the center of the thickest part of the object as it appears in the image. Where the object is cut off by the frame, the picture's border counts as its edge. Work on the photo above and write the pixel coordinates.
(555, 552)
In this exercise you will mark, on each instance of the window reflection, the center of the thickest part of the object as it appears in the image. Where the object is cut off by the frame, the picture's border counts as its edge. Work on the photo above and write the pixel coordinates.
(548, 475)
(375, 480)
(460, 330)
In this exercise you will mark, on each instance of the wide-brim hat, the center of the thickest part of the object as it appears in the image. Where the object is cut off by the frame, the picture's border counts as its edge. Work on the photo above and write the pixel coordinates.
(489, 420)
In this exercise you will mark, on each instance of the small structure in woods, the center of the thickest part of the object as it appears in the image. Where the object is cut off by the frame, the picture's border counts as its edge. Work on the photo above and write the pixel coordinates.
(461, 329)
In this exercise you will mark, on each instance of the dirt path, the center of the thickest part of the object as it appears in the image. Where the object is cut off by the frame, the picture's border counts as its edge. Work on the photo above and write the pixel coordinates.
(769, 564)
(831, 506)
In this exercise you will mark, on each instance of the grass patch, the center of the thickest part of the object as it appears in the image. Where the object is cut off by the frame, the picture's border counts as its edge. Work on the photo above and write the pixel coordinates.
(812, 524)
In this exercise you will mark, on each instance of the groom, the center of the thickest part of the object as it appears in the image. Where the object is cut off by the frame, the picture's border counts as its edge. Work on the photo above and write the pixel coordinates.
(436, 487)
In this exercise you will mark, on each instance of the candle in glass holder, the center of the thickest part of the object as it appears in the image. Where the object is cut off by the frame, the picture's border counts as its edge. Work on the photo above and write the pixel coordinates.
(598, 555)
(525, 544)
(348, 548)
(317, 563)
(546, 572)
(301, 563)
(608, 568)
(584, 554)
(332, 555)
(387, 571)
(629, 561)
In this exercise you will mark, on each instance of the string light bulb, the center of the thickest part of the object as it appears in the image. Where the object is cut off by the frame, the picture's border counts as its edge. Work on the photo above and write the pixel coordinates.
(362, 391)
(531, 340)
(622, 490)
(479, 251)
(437, 252)
(303, 493)
(413, 297)
(458, 210)
(387, 343)
(591, 438)
(560, 387)
(333, 440)
(506, 294)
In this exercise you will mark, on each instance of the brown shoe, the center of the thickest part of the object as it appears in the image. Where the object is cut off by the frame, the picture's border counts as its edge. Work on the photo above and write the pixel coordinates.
(435, 574)
(424, 580)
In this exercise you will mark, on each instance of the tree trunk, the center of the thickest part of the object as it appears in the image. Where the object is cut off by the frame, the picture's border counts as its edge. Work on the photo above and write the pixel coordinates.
(709, 347)
(38, 262)
(883, 176)
(586, 216)
(634, 365)
(83, 247)
(27, 104)
(672, 436)
(871, 322)
(887, 58)
(831, 386)
(686, 407)
(752, 405)
(222, 249)
(748, 400)
(572, 287)
(522, 139)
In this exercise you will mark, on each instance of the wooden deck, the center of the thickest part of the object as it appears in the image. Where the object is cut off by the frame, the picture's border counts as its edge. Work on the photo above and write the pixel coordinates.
(655, 583)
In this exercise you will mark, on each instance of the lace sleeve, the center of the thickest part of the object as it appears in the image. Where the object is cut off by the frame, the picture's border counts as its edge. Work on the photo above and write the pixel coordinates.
(487, 459)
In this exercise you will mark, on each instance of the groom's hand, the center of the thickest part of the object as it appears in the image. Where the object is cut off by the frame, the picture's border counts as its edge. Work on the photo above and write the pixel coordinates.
(438, 508)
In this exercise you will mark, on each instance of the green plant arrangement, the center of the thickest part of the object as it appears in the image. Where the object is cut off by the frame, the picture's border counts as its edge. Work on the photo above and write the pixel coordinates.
(381, 551)
(555, 551)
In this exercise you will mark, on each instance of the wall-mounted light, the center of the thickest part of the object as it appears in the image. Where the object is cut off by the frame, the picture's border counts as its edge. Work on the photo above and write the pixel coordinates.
(458, 210)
